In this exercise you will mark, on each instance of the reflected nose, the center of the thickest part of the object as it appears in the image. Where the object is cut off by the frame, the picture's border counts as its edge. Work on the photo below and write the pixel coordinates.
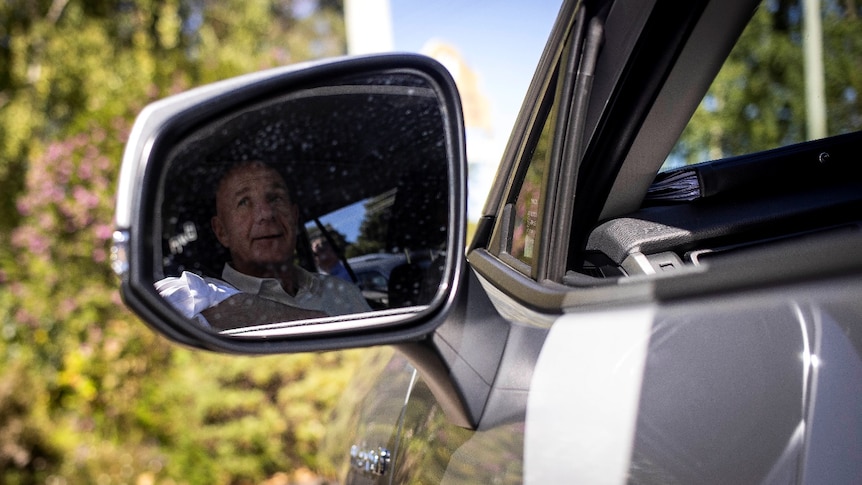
(264, 211)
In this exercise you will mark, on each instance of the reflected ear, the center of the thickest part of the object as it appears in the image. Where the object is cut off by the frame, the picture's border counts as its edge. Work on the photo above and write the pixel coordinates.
(218, 229)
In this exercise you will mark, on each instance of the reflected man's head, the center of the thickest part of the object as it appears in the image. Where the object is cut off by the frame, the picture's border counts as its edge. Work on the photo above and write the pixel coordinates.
(324, 255)
(256, 219)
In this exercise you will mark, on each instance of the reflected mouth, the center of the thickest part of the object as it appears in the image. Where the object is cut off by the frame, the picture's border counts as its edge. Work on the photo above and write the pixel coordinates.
(267, 237)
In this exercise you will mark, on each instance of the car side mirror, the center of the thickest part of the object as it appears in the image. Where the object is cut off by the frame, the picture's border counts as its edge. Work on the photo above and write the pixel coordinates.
(312, 207)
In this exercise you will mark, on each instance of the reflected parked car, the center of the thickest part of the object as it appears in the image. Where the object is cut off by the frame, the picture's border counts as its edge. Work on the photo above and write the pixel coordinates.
(372, 276)
(397, 280)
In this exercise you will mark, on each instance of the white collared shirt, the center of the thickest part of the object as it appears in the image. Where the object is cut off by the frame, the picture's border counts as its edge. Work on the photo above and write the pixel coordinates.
(191, 293)
(315, 291)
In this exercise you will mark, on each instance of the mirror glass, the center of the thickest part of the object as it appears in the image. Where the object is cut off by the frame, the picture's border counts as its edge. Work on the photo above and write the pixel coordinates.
(321, 203)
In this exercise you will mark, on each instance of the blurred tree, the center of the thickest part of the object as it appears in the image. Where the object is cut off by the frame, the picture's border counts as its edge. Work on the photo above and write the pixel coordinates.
(374, 228)
(255, 416)
(86, 391)
(26, 451)
(65, 63)
(757, 101)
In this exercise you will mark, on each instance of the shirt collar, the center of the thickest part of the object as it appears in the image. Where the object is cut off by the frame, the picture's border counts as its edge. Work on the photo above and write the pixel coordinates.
(252, 284)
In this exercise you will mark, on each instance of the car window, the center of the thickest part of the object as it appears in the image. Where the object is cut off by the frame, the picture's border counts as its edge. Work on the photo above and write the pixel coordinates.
(372, 280)
(755, 166)
(348, 226)
(524, 228)
(528, 204)
(759, 99)
(520, 231)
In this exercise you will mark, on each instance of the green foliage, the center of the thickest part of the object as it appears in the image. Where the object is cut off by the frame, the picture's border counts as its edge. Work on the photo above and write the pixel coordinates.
(843, 44)
(757, 101)
(26, 450)
(229, 419)
(87, 393)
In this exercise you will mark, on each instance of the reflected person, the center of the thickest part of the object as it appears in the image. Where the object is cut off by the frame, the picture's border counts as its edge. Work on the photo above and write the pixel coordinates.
(257, 220)
(327, 260)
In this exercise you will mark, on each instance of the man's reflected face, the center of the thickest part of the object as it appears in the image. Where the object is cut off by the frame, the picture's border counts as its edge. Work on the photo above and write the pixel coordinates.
(256, 219)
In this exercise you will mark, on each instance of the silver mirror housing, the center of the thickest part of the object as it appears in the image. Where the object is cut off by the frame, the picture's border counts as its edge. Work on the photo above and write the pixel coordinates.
(372, 150)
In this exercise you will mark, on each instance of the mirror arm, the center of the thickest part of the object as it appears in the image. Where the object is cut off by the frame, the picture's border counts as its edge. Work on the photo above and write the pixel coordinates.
(460, 360)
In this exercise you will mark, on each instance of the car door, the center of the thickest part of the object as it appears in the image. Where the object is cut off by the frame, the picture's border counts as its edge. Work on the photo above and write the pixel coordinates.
(666, 343)
(433, 449)
(364, 435)
(660, 366)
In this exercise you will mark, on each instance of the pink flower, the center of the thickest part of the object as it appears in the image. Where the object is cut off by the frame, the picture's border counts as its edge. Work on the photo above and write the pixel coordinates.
(104, 232)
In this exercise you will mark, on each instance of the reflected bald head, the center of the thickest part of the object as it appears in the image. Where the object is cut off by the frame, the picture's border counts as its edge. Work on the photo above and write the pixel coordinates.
(256, 219)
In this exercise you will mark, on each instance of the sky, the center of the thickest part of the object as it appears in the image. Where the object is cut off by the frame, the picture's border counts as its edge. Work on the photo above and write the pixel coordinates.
(499, 41)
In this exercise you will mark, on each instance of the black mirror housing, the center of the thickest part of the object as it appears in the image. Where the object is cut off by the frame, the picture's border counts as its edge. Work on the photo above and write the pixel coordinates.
(373, 152)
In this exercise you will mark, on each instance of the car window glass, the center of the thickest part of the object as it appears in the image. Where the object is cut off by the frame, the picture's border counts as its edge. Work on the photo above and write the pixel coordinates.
(519, 238)
(351, 242)
(758, 101)
(529, 201)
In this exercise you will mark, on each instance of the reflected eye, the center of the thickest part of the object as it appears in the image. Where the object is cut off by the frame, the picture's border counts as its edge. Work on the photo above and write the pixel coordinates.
(277, 198)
